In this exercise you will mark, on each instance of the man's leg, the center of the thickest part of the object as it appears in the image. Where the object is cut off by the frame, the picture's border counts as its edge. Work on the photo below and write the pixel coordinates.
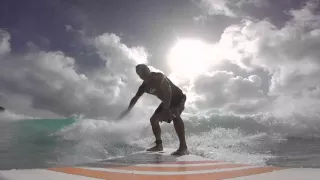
(179, 127)
(180, 130)
(154, 120)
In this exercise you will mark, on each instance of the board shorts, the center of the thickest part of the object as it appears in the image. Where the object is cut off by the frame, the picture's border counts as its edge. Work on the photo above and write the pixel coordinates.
(176, 107)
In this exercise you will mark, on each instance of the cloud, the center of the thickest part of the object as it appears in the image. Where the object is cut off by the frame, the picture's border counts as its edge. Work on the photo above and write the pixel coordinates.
(50, 80)
(217, 7)
(68, 28)
(120, 61)
(284, 59)
(220, 89)
(289, 53)
(4, 43)
(118, 57)
(231, 8)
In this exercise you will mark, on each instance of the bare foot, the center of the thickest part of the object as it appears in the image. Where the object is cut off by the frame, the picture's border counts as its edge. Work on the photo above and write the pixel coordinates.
(158, 147)
(180, 152)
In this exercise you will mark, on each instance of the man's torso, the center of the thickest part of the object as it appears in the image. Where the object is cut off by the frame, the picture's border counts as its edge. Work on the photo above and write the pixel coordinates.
(153, 87)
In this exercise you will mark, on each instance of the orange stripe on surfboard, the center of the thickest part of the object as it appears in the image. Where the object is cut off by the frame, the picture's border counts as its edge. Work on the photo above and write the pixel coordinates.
(174, 162)
(173, 169)
(120, 176)
(189, 162)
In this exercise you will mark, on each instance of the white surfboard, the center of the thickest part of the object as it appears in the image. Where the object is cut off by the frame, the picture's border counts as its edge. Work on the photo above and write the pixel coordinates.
(162, 165)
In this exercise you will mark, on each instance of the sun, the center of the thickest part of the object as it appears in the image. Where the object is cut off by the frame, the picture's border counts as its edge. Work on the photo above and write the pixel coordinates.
(189, 57)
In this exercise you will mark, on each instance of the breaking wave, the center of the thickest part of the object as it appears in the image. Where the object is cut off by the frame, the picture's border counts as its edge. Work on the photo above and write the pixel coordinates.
(249, 139)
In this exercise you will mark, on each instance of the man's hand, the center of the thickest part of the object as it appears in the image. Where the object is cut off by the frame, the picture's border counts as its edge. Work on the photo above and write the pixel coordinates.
(124, 113)
(133, 101)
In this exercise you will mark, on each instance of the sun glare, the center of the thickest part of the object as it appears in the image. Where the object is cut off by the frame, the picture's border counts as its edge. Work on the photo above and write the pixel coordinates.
(189, 57)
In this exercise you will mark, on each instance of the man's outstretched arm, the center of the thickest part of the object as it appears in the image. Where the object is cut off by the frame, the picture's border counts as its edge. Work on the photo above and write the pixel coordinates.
(133, 101)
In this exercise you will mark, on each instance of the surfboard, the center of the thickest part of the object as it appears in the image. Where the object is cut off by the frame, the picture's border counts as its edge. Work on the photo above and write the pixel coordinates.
(161, 165)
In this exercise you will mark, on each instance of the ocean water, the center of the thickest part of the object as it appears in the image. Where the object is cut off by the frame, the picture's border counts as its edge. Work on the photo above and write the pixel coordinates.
(28, 142)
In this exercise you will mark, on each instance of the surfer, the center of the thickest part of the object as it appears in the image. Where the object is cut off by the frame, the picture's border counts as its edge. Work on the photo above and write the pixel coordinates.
(170, 109)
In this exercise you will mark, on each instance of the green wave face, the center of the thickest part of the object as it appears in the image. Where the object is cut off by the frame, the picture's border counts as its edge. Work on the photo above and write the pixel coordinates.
(32, 144)
(47, 125)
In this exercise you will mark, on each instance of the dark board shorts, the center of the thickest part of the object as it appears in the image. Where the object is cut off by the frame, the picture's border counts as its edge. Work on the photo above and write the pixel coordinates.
(176, 106)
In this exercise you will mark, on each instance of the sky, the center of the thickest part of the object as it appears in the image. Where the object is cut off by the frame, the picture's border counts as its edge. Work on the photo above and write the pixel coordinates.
(241, 57)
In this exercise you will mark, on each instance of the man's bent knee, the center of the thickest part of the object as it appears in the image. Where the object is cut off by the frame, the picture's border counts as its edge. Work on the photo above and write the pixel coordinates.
(154, 120)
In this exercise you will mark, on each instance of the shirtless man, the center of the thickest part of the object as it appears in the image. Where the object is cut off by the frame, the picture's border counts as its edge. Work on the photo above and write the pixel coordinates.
(170, 109)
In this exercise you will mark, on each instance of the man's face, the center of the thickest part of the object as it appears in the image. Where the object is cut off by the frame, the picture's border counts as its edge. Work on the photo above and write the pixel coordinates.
(143, 72)
(143, 76)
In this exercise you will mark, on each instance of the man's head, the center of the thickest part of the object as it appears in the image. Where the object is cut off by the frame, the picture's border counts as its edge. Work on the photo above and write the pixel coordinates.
(143, 71)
